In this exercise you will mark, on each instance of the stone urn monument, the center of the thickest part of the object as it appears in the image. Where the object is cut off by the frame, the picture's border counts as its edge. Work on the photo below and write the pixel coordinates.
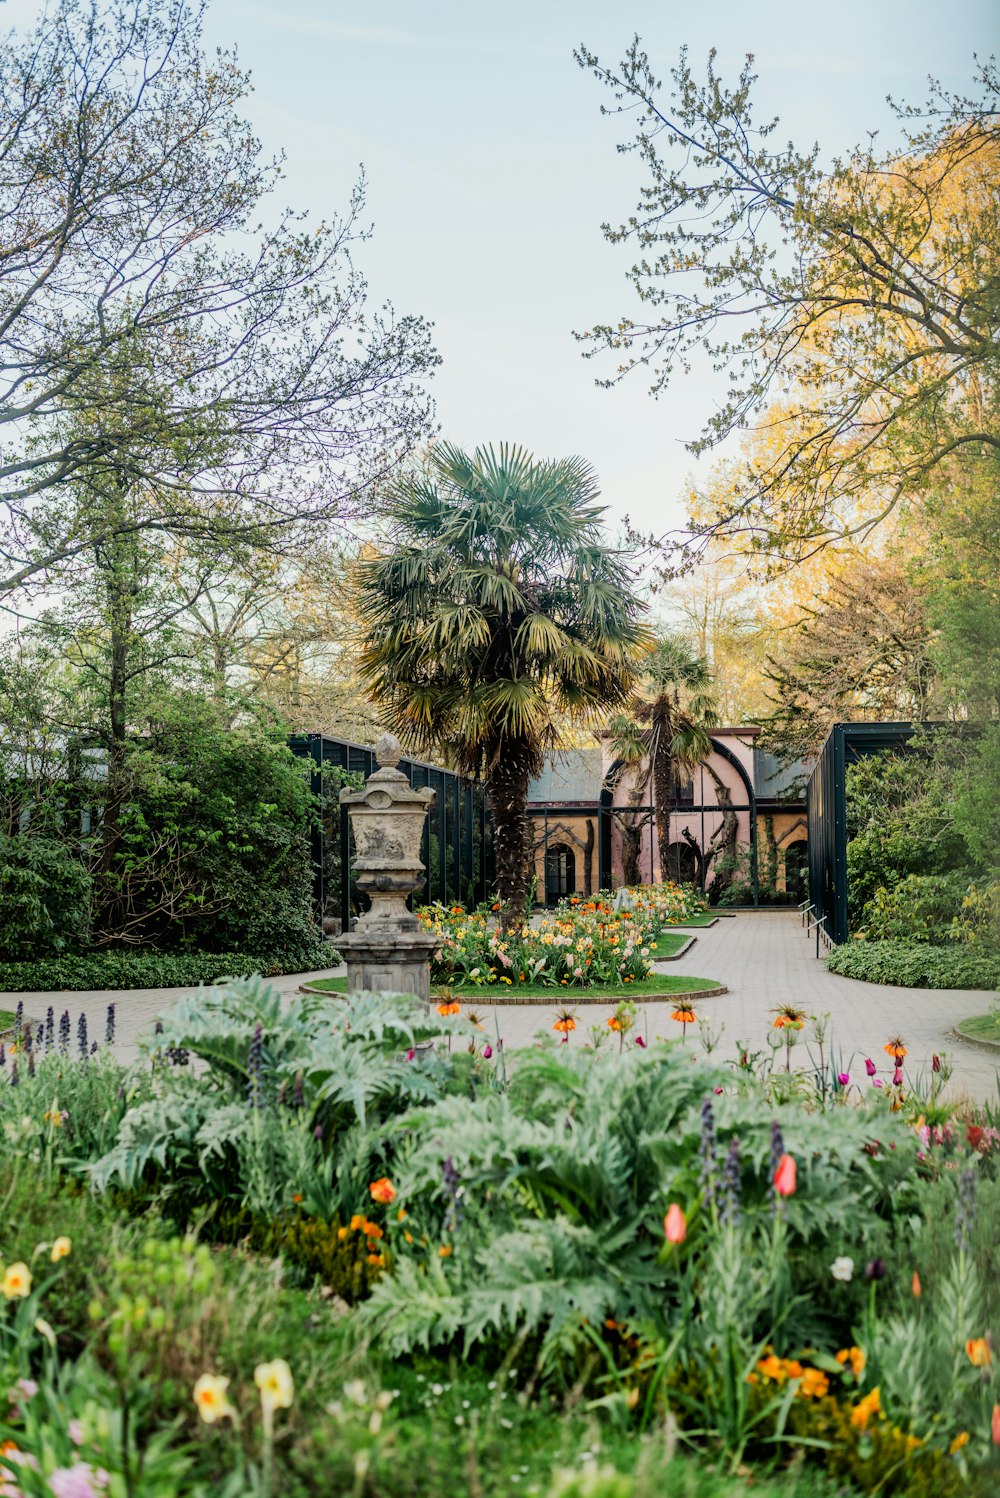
(389, 950)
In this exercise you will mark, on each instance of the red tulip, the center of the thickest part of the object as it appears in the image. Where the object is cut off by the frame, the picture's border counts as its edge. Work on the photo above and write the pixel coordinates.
(995, 1426)
(784, 1176)
(674, 1224)
(897, 1077)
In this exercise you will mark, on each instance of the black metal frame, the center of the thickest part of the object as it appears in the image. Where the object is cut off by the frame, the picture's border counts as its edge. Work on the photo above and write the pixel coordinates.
(826, 812)
(458, 822)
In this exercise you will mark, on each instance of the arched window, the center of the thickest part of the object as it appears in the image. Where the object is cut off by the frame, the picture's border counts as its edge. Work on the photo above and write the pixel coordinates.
(560, 872)
(682, 863)
(796, 870)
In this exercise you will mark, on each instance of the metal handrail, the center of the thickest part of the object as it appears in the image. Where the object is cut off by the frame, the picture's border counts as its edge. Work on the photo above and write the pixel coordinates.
(805, 908)
(815, 925)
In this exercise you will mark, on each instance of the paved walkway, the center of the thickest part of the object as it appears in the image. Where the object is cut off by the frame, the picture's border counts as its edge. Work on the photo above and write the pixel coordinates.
(764, 959)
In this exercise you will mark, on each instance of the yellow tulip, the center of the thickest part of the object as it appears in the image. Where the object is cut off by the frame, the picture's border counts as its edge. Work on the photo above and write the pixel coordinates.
(211, 1398)
(274, 1380)
(16, 1282)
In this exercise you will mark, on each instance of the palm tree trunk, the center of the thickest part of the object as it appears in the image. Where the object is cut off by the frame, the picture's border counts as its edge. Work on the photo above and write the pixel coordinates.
(663, 783)
(507, 784)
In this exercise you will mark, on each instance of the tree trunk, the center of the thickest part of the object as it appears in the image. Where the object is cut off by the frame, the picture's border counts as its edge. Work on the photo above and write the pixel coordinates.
(723, 843)
(588, 860)
(662, 734)
(507, 783)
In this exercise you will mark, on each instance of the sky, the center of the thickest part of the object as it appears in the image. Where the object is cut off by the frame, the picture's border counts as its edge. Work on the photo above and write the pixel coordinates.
(490, 170)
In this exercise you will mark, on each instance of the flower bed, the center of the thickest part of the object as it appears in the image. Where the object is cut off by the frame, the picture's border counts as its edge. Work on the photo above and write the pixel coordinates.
(755, 1260)
(585, 942)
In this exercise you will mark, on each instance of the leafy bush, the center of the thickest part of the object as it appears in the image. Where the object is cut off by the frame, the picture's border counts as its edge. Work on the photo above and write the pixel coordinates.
(900, 821)
(921, 907)
(915, 964)
(43, 891)
(118, 969)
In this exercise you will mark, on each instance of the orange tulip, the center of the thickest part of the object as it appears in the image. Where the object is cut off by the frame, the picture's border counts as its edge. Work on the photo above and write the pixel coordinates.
(383, 1191)
(978, 1350)
(784, 1176)
(995, 1425)
(674, 1224)
(915, 1285)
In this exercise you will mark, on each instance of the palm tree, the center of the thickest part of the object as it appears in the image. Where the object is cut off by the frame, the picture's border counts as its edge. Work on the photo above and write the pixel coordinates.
(665, 727)
(497, 608)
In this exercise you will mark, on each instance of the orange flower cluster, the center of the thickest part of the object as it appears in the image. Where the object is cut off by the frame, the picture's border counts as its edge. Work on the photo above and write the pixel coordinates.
(895, 1047)
(814, 1382)
(371, 1230)
(789, 1017)
(684, 1014)
(383, 1191)
(564, 1024)
(865, 1409)
(449, 1007)
(853, 1356)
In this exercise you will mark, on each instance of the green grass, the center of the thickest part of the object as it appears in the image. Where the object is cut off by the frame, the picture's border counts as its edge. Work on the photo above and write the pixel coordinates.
(705, 919)
(666, 946)
(6, 1019)
(982, 1027)
(648, 988)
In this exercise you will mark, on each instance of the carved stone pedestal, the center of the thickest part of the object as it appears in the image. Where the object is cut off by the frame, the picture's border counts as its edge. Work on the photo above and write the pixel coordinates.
(389, 950)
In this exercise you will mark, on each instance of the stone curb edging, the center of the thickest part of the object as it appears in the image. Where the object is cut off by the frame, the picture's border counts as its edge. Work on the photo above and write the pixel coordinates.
(704, 926)
(991, 1047)
(675, 956)
(608, 999)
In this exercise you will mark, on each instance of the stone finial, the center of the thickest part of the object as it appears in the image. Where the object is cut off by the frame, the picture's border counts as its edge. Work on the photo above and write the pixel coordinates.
(388, 751)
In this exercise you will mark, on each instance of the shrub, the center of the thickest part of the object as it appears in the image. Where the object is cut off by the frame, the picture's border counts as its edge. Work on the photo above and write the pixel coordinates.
(922, 907)
(915, 964)
(43, 893)
(118, 969)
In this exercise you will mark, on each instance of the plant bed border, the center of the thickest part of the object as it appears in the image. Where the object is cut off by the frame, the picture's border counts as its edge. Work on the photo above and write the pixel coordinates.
(566, 996)
(978, 1042)
(674, 956)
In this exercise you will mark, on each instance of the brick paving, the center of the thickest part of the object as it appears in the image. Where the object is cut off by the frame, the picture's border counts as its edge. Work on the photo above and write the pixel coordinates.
(764, 959)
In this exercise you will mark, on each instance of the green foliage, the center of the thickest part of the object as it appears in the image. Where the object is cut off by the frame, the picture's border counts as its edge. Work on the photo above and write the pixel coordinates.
(917, 964)
(118, 969)
(921, 907)
(43, 895)
(900, 821)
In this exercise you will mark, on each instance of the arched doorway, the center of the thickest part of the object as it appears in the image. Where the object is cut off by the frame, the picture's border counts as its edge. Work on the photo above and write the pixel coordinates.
(682, 863)
(796, 871)
(560, 872)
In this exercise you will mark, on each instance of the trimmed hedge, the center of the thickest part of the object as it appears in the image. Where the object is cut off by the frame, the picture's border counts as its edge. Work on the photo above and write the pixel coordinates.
(915, 964)
(118, 969)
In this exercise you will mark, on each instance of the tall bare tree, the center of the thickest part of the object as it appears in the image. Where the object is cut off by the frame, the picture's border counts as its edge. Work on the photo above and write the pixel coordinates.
(151, 325)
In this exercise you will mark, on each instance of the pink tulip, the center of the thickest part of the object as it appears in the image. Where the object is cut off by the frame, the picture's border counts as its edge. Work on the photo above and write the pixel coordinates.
(784, 1176)
(897, 1077)
(674, 1224)
(844, 1078)
(870, 1067)
(640, 1042)
(487, 1052)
